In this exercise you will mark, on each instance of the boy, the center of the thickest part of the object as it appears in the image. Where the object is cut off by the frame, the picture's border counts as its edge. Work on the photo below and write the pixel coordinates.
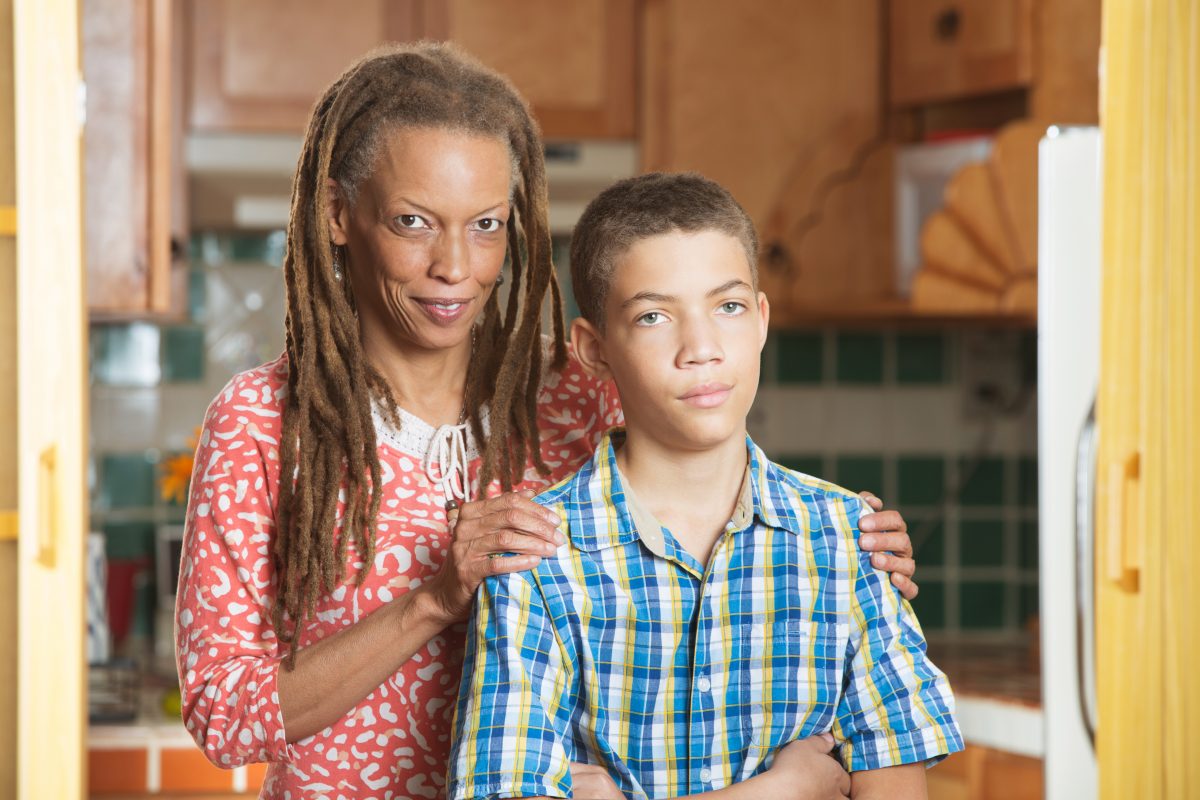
(709, 606)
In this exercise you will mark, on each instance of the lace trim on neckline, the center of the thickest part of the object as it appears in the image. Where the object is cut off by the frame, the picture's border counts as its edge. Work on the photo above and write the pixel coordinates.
(415, 435)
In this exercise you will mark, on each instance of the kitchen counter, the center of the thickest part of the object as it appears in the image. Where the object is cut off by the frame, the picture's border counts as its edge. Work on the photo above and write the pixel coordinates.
(998, 694)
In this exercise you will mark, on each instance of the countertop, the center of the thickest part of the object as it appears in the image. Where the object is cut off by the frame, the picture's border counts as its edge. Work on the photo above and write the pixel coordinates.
(998, 693)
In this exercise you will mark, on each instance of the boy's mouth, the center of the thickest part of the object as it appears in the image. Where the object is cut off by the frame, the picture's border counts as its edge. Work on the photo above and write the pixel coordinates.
(707, 395)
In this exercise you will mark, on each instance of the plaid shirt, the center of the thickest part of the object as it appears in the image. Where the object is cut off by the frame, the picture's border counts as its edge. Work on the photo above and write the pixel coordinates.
(624, 650)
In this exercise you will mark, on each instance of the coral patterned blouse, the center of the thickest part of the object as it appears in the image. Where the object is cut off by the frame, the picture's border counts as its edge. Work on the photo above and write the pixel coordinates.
(396, 741)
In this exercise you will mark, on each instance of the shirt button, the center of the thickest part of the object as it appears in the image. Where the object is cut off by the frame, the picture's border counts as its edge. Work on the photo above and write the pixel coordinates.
(706, 775)
(703, 684)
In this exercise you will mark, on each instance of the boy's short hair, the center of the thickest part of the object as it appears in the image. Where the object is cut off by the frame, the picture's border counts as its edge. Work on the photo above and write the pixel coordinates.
(642, 207)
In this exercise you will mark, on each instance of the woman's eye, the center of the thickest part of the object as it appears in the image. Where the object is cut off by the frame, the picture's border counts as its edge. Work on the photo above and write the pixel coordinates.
(410, 221)
(489, 225)
(649, 318)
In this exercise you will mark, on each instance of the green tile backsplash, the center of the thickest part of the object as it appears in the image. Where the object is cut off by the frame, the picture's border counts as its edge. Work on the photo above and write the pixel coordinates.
(929, 540)
(808, 464)
(800, 357)
(981, 543)
(183, 353)
(860, 474)
(930, 605)
(127, 480)
(860, 358)
(921, 480)
(920, 358)
(981, 605)
(983, 482)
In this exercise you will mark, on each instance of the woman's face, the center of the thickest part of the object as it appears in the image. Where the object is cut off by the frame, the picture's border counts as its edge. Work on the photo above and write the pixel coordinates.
(425, 240)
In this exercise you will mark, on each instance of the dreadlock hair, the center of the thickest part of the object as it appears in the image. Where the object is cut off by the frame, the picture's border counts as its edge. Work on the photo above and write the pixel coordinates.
(328, 442)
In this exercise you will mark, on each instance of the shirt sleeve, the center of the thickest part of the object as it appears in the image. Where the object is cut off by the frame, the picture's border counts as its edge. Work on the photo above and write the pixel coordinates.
(508, 739)
(227, 654)
(896, 707)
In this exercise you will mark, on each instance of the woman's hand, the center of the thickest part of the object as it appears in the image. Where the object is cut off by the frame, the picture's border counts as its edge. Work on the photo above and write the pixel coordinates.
(591, 782)
(507, 533)
(885, 535)
(806, 770)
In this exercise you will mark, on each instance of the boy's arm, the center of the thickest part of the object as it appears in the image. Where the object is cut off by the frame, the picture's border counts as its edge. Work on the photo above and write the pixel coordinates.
(906, 782)
(507, 741)
(896, 707)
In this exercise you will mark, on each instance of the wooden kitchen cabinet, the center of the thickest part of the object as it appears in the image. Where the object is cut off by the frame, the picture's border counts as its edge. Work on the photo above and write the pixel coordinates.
(948, 49)
(135, 217)
(259, 67)
(782, 103)
(981, 773)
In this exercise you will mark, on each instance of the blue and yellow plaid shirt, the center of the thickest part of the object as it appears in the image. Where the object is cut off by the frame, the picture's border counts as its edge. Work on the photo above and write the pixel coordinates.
(623, 650)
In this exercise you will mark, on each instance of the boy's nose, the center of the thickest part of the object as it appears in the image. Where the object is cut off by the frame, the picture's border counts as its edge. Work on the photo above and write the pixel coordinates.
(700, 345)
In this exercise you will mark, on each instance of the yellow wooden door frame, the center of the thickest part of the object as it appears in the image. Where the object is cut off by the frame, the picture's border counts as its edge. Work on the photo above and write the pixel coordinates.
(1148, 631)
(51, 399)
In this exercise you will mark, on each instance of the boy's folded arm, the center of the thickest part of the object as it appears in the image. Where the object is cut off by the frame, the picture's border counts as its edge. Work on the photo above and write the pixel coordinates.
(905, 782)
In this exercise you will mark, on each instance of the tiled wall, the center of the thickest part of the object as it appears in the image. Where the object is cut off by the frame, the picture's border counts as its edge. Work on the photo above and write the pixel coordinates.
(889, 411)
(150, 386)
(884, 410)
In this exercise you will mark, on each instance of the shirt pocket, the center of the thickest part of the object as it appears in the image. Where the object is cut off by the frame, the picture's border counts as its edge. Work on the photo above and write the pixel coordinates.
(793, 684)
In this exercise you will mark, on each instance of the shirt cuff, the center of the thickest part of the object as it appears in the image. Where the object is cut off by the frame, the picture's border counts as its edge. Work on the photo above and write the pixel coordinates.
(878, 749)
(271, 713)
(518, 787)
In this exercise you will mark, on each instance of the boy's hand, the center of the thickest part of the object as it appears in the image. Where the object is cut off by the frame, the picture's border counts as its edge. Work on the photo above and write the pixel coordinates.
(806, 770)
(591, 782)
(889, 543)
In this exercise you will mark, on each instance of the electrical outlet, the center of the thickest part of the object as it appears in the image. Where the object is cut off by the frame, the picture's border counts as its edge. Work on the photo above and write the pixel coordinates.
(990, 372)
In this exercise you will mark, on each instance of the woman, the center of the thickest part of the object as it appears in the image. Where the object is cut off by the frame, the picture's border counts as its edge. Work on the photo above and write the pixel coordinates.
(313, 611)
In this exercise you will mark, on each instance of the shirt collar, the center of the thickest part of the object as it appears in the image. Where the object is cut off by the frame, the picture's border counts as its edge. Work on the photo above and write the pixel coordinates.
(605, 513)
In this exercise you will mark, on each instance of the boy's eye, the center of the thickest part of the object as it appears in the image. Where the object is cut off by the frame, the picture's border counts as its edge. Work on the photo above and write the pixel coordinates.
(649, 319)
(410, 221)
(732, 307)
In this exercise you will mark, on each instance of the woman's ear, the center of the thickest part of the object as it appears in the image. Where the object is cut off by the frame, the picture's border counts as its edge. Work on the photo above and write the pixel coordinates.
(589, 349)
(337, 213)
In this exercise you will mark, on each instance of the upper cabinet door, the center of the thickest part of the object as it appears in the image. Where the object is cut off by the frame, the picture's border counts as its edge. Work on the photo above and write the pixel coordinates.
(260, 66)
(946, 49)
(573, 61)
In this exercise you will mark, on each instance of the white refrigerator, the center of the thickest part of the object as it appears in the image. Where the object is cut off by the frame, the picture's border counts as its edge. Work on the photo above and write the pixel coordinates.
(1069, 205)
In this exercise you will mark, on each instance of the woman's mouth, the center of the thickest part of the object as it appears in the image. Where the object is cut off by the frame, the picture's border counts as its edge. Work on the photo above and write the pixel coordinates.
(445, 311)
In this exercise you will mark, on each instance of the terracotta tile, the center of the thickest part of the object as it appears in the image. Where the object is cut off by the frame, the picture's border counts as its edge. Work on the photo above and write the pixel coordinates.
(255, 775)
(189, 770)
(113, 771)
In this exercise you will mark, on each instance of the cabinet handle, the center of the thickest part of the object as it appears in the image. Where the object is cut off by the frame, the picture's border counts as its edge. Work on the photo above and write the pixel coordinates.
(47, 541)
(1085, 573)
(1123, 560)
(947, 25)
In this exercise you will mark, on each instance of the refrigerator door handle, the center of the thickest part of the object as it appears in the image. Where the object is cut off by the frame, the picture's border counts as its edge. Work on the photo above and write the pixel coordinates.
(1085, 573)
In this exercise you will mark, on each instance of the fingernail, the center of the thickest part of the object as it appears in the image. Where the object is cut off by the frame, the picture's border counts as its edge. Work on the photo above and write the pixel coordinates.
(877, 559)
(552, 518)
(867, 541)
(559, 538)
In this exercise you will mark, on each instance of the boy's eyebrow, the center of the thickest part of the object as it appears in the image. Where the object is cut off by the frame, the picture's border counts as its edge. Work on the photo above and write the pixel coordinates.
(647, 297)
(658, 297)
(736, 283)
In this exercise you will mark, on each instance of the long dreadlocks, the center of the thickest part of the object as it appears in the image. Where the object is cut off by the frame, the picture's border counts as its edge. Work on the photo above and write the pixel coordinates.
(328, 443)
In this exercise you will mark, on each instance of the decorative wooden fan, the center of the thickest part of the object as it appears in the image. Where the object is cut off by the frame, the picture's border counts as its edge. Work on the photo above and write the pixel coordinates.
(979, 252)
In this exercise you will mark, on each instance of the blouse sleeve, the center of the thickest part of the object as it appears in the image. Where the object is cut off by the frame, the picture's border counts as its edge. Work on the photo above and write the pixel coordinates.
(227, 654)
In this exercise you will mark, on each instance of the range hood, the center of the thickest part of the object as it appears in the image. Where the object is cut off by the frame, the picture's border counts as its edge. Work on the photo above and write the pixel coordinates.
(244, 181)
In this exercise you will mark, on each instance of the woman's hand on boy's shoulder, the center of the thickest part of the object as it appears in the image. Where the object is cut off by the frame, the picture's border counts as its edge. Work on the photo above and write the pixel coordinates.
(885, 536)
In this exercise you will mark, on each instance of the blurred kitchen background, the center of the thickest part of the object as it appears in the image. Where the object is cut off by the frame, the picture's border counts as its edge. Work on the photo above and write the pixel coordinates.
(888, 151)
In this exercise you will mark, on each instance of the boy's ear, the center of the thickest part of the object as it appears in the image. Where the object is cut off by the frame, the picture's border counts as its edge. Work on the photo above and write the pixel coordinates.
(589, 349)
(337, 213)
(764, 319)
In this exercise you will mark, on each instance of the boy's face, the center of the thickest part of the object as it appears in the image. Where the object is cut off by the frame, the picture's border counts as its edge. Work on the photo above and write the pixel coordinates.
(683, 332)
